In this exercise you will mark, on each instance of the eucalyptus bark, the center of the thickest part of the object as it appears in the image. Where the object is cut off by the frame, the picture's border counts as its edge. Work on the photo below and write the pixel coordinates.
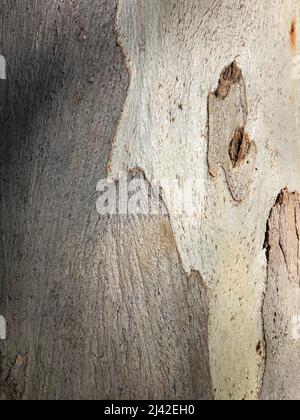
(172, 306)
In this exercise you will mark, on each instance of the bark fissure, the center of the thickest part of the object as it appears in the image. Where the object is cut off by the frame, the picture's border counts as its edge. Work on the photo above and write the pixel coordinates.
(239, 147)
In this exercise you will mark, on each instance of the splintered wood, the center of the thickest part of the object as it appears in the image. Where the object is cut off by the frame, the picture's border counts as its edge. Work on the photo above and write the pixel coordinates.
(282, 302)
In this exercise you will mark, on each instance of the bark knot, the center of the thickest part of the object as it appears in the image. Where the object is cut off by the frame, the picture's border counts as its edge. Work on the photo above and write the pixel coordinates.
(230, 147)
(230, 75)
(239, 147)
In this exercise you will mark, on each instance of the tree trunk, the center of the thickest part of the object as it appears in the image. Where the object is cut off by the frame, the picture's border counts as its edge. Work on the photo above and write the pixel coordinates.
(197, 304)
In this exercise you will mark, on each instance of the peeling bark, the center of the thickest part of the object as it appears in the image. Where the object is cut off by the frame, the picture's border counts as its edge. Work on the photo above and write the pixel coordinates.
(282, 301)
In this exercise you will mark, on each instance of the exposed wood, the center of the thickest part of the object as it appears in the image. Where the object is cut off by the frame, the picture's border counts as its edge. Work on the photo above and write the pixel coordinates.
(282, 302)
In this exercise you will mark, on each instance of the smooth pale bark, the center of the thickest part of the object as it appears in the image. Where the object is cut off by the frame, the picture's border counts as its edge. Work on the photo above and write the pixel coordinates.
(152, 306)
(176, 53)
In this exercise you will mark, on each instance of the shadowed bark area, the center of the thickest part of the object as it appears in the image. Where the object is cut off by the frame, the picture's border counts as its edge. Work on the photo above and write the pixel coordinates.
(95, 307)
(282, 302)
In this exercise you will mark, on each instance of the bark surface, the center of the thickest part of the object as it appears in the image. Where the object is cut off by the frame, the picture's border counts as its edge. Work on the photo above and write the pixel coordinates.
(282, 302)
(95, 307)
(167, 306)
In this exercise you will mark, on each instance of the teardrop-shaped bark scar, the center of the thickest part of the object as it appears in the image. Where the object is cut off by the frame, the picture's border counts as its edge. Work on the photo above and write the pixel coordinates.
(229, 145)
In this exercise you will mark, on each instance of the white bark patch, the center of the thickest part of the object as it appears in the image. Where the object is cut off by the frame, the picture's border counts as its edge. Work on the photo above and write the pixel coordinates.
(176, 51)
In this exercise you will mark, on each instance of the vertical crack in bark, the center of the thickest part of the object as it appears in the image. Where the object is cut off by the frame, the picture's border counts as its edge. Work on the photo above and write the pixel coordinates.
(239, 147)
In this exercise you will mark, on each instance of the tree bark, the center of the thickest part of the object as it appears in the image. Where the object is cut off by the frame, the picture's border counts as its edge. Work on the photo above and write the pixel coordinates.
(281, 306)
(169, 306)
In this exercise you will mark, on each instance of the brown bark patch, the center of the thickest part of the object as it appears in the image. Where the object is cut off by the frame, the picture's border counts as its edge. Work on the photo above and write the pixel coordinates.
(260, 349)
(239, 146)
(293, 36)
(230, 75)
(229, 146)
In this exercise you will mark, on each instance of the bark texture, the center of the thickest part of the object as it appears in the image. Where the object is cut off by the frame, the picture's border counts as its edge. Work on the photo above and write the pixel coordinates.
(177, 53)
(95, 307)
(146, 306)
(282, 302)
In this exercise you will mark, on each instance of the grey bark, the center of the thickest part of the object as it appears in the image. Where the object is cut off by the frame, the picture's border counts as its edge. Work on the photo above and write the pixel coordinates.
(96, 307)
